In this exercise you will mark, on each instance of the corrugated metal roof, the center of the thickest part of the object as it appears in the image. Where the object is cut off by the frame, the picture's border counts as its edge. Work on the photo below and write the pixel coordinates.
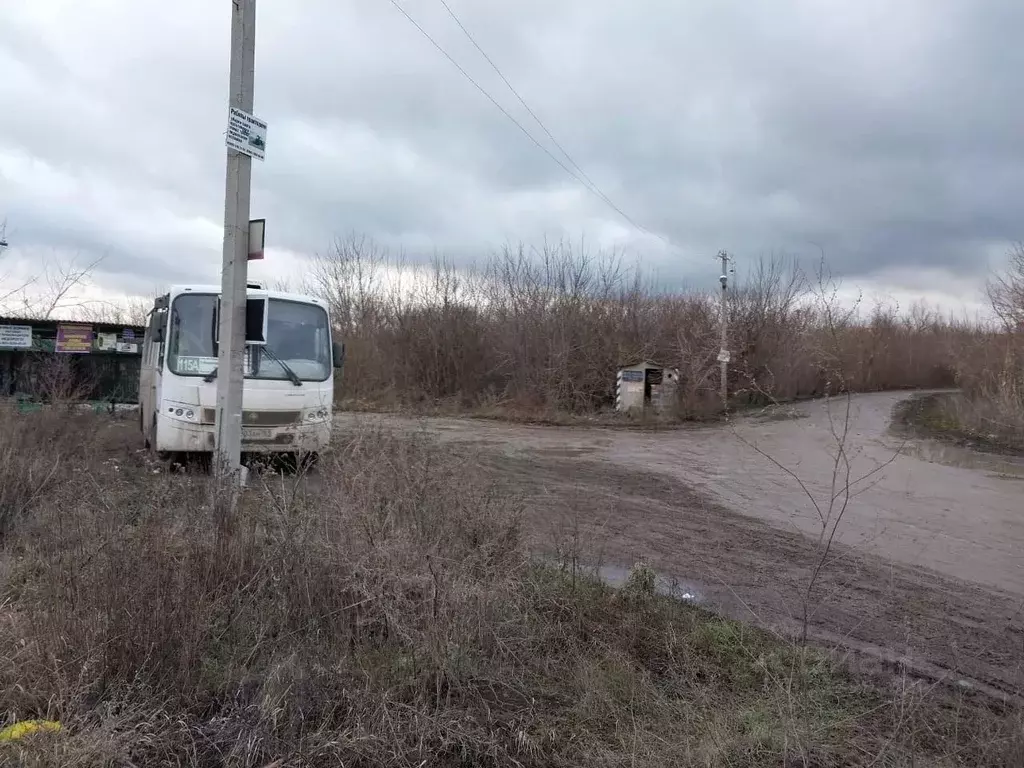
(48, 323)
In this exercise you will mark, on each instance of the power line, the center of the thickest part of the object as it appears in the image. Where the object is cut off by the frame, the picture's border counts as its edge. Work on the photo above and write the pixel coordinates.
(590, 187)
(522, 101)
(482, 90)
(595, 189)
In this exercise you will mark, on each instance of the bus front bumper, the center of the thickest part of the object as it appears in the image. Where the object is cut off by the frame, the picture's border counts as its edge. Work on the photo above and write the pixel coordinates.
(176, 436)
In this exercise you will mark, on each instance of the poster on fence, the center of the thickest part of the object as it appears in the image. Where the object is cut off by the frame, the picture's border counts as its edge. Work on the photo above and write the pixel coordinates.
(74, 339)
(17, 336)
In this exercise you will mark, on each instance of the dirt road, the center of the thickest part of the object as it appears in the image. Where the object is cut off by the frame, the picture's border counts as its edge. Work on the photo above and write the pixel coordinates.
(918, 503)
(928, 567)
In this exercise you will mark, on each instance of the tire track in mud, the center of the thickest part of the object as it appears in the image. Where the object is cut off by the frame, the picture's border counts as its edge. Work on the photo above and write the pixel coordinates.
(888, 615)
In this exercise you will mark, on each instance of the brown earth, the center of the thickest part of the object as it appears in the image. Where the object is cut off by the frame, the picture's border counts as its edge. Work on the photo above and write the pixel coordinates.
(927, 572)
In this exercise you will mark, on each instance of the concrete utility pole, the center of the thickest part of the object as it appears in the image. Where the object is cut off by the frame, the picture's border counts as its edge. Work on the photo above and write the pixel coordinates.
(723, 354)
(230, 361)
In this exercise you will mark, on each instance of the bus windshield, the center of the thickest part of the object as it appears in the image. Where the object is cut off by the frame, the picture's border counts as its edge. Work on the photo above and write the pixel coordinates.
(297, 335)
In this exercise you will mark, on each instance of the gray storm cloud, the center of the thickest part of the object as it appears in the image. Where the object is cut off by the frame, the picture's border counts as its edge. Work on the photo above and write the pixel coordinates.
(884, 133)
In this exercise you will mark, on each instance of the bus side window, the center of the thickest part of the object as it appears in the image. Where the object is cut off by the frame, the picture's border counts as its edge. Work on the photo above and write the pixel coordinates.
(155, 337)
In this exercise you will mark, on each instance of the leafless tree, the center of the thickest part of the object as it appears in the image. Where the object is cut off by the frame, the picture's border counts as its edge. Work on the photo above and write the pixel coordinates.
(830, 506)
(130, 311)
(350, 278)
(50, 290)
(55, 287)
(1006, 291)
(544, 329)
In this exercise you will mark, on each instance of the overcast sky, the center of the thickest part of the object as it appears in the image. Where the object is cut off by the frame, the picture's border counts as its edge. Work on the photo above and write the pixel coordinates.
(885, 132)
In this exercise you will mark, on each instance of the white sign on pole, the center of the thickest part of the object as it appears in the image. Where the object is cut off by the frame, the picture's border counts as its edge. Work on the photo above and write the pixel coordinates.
(19, 336)
(724, 356)
(246, 134)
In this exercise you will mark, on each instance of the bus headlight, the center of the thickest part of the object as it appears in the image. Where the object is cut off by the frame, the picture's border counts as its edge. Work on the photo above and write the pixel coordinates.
(182, 411)
(320, 414)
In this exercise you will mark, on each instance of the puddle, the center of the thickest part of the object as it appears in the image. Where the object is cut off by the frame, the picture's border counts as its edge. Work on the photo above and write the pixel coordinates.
(780, 413)
(950, 455)
(564, 453)
(616, 576)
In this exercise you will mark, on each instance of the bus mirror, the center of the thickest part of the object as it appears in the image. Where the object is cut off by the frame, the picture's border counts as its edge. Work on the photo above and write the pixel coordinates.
(256, 318)
(338, 354)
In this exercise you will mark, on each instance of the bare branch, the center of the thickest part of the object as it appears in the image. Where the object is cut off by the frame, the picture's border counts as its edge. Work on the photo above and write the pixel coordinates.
(779, 465)
(1006, 291)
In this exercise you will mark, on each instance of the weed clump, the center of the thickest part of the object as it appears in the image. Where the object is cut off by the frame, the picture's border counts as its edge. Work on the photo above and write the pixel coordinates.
(385, 612)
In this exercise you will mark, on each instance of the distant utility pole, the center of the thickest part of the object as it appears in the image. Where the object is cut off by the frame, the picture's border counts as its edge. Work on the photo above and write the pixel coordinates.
(231, 355)
(723, 354)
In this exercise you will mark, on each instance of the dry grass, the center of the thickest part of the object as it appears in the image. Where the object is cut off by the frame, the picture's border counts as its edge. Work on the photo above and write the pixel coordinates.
(990, 370)
(978, 424)
(991, 375)
(988, 411)
(38, 453)
(386, 613)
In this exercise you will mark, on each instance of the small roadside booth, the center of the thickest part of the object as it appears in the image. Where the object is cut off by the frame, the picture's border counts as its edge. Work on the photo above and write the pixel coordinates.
(645, 385)
(41, 359)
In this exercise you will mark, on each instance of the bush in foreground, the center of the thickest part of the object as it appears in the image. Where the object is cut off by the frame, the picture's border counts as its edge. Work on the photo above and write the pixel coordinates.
(385, 613)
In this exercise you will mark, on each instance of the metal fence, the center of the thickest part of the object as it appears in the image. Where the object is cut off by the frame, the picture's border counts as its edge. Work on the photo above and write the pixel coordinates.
(47, 376)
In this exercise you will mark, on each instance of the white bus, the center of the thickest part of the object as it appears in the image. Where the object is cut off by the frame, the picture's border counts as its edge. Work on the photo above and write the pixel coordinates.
(289, 373)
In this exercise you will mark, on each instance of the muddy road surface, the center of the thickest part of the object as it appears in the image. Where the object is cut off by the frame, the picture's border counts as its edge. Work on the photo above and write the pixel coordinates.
(926, 570)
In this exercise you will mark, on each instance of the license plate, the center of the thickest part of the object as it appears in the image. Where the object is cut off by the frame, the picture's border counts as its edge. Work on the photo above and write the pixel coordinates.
(257, 433)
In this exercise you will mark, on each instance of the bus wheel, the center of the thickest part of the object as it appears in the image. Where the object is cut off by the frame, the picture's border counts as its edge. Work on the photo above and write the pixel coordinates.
(195, 463)
(162, 458)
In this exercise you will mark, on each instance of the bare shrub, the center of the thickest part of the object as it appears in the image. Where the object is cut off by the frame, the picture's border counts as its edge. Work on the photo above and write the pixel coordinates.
(33, 450)
(386, 613)
(60, 379)
(990, 366)
(1006, 291)
(990, 373)
(148, 602)
(766, 320)
(539, 331)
